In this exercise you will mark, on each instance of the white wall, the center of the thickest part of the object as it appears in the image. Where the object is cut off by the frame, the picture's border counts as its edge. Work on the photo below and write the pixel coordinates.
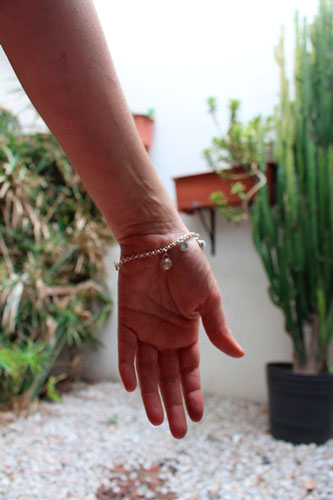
(171, 56)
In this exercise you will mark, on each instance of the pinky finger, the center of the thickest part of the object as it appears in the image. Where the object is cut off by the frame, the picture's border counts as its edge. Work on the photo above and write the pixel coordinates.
(127, 346)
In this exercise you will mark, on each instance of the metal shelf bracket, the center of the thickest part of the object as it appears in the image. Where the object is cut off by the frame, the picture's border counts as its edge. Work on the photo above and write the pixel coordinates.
(209, 226)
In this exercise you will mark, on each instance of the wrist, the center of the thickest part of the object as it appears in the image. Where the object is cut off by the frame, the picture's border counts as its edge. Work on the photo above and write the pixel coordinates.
(144, 237)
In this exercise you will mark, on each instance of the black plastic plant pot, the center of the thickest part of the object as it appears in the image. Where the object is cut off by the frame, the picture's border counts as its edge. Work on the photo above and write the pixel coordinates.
(301, 406)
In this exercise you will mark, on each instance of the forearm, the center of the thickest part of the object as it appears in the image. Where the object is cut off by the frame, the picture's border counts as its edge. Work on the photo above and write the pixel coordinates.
(61, 58)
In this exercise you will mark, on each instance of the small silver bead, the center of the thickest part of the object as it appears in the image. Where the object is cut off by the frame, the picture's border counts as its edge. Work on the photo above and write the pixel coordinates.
(202, 243)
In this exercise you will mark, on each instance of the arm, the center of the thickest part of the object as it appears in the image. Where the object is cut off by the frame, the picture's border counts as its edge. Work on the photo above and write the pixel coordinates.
(60, 56)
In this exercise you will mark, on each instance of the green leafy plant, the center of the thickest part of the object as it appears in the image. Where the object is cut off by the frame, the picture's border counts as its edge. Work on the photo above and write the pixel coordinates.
(151, 113)
(51, 391)
(294, 238)
(52, 243)
(246, 145)
(19, 368)
(243, 143)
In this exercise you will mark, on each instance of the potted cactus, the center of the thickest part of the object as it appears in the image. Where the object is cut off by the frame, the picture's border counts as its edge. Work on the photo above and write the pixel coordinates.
(294, 238)
(293, 232)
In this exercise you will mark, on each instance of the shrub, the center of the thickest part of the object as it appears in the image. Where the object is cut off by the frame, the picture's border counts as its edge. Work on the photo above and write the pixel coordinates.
(52, 241)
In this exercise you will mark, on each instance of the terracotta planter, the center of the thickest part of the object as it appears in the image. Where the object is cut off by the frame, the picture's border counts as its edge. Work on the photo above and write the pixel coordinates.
(145, 125)
(194, 191)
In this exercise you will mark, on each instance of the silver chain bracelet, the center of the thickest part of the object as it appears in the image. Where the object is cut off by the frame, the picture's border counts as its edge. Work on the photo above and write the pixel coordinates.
(166, 262)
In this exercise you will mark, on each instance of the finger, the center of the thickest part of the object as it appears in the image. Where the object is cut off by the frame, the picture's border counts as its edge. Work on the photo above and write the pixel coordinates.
(147, 369)
(169, 379)
(127, 345)
(190, 376)
(215, 324)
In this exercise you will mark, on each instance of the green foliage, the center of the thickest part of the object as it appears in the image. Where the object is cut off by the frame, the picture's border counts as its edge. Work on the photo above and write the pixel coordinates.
(9, 124)
(52, 242)
(230, 212)
(151, 113)
(19, 368)
(244, 144)
(51, 391)
(247, 145)
(295, 237)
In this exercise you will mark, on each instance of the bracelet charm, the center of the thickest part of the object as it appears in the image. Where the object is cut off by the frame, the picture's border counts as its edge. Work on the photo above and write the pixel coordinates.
(183, 245)
(166, 262)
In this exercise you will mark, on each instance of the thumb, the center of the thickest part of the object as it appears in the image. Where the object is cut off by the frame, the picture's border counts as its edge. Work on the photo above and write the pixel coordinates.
(216, 327)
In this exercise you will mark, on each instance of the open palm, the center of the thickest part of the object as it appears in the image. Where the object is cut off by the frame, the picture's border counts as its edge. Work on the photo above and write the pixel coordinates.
(159, 313)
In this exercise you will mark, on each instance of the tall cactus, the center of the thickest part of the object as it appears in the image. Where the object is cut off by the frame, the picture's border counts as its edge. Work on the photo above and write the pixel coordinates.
(295, 236)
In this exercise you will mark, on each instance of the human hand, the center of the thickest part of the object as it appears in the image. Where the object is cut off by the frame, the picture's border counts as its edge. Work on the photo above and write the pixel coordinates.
(158, 326)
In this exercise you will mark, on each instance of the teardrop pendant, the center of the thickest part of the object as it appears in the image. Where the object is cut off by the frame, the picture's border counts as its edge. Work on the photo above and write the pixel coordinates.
(183, 245)
(166, 262)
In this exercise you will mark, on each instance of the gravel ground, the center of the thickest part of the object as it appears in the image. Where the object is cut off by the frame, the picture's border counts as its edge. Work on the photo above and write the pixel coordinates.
(98, 444)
